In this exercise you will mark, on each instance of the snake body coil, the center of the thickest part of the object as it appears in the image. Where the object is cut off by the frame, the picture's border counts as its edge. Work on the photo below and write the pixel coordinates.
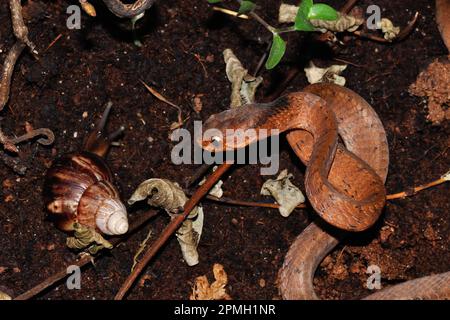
(344, 181)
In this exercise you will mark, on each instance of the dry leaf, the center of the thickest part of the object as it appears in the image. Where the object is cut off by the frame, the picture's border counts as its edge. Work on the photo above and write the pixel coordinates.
(327, 75)
(243, 85)
(160, 97)
(388, 28)
(202, 290)
(163, 193)
(344, 22)
(286, 194)
(4, 296)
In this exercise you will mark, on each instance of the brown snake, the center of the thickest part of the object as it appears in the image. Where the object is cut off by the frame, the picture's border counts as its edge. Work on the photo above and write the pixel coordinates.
(344, 182)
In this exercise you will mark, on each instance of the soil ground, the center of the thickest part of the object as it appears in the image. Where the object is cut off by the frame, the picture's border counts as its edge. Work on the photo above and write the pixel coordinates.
(181, 57)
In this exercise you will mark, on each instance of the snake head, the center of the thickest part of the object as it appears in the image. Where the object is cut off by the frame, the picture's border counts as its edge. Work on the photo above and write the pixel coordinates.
(232, 129)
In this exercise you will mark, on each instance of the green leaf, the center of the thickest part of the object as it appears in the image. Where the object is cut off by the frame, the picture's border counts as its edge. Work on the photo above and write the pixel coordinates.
(246, 6)
(276, 52)
(214, 1)
(305, 6)
(322, 11)
(301, 19)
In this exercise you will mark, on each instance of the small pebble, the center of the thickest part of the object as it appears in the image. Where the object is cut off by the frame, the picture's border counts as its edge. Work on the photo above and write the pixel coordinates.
(7, 184)
(430, 234)
(385, 233)
(234, 221)
(262, 283)
(85, 115)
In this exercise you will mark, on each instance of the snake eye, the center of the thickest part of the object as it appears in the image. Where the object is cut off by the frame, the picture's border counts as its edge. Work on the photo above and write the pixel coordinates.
(216, 141)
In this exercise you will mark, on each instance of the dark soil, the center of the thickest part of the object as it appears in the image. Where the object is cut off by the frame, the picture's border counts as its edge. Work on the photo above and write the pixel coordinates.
(182, 57)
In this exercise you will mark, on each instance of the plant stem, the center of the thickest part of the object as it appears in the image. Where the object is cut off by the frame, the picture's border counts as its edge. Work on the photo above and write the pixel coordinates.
(259, 19)
(285, 30)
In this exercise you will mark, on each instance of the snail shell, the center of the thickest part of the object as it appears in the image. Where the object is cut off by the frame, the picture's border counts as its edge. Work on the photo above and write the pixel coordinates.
(78, 188)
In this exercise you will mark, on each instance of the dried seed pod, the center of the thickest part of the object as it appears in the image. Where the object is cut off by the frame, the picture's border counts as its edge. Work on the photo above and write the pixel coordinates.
(78, 187)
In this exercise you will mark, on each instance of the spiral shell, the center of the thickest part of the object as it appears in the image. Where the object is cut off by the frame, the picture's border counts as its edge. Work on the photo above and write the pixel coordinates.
(78, 188)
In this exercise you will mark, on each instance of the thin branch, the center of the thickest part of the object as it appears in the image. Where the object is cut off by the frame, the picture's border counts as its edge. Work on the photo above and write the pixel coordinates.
(19, 28)
(171, 228)
(230, 12)
(348, 6)
(400, 195)
(7, 72)
(241, 203)
(402, 35)
(86, 259)
(412, 191)
(10, 143)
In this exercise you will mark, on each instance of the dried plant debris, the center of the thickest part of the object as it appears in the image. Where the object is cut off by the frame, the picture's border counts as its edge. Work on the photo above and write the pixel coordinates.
(387, 27)
(243, 85)
(434, 84)
(87, 238)
(141, 249)
(7, 72)
(188, 236)
(160, 97)
(344, 22)
(202, 290)
(330, 74)
(88, 8)
(19, 28)
(216, 190)
(4, 296)
(286, 194)
(168, 195)
(287, 13)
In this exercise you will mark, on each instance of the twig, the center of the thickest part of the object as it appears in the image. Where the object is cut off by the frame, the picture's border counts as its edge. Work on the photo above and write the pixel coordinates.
(53, 42)
(19, 28)
(234, 202)
(262, 60)
(251, 14)
(8, 68)
(10, 143)
(160, 97)
(407, 193)
(141, 248)
(7, 144)
(86, 259)
(407, 30)
(171, 228)
(230, 12)
(348, 6)
(349, 62)
(402, 35)
(369, 36)
(415, 190)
